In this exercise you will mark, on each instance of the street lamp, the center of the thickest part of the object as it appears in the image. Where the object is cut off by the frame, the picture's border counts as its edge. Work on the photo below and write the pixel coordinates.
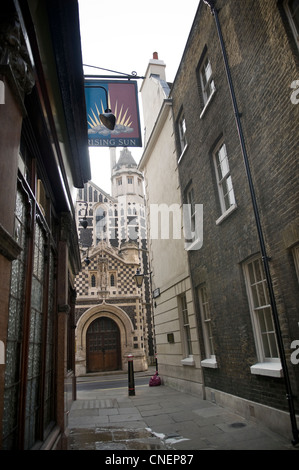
(265, 258)
(107, 118)
(87, 260)
(84, 222)
(138, 278)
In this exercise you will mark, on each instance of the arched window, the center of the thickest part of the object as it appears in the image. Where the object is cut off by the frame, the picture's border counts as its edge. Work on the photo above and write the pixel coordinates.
(112, 280)
(101, 224)
(93, 280)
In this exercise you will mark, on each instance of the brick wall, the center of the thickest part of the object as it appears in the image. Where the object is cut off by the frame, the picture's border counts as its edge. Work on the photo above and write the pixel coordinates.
(263, 60)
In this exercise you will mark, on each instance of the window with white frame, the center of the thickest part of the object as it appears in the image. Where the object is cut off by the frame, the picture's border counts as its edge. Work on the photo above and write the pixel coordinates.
(186, 334)
(192, 207)
(292, 10)
(224, 179)
(206, 80)
(182, 133)
(193, 221)
(205, 314)
(261, 314)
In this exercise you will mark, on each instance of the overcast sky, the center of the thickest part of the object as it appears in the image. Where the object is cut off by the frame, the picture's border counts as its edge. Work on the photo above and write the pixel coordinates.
(122, 36)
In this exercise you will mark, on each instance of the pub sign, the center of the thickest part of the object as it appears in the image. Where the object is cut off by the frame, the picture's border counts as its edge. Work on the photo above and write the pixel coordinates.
(123, 102)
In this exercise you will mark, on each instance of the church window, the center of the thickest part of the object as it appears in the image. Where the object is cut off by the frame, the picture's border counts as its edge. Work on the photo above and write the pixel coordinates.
(93, 280)
(101, 224)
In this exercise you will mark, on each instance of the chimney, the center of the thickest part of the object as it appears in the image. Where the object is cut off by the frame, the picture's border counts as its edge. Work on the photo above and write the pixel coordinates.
(155, 56)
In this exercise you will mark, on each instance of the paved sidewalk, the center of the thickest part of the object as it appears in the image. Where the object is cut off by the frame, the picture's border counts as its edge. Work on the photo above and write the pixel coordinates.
(161, 418)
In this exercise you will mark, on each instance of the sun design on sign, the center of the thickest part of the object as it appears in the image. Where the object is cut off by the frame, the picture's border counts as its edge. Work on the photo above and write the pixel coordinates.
(123, 123)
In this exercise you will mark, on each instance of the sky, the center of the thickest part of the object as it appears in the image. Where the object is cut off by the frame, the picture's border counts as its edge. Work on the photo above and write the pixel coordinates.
(122, 36)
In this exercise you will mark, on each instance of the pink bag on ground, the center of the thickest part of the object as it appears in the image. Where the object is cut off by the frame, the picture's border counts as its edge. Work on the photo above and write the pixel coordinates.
(155, 380)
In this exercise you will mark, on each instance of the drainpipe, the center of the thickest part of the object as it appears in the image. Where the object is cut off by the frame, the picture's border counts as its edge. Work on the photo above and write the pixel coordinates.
(265, 258)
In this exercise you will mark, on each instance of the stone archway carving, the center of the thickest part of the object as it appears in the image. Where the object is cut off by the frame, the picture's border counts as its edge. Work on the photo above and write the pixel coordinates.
(123, 322)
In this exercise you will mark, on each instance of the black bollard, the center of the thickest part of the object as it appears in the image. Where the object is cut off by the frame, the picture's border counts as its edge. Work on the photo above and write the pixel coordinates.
(131, 383)
(156, 359)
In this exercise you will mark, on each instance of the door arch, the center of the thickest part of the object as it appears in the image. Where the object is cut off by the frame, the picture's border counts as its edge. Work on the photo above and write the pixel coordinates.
(103, 346)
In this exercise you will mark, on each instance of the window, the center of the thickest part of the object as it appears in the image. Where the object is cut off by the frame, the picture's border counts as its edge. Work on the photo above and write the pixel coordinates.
(93, 280)
(296, 259)
(130, 180)
(261, 315)
(119, 181)
(15, 322)
(191, 202)
(186, 334)
(182, 133)
(112, 280)
(224, 181)
(292, 10)
(101, 221)
(205, 314)
(206, 80)
(193, 222)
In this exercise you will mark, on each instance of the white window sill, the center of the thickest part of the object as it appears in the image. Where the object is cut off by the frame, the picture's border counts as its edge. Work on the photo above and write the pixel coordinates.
(270, 369)
(183, 153)
(188, 361)
(196, 245)
(207, 104)
(226, 214)
(211, 363)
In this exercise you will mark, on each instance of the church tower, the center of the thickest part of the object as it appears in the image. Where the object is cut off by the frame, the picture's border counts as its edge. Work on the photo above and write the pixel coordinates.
(113, 315)
(126, 180)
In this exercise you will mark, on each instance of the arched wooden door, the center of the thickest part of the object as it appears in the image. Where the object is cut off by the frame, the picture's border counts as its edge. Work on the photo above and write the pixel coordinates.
(103, 345)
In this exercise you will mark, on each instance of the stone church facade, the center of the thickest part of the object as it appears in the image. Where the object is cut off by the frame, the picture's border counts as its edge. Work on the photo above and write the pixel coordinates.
(113, 315)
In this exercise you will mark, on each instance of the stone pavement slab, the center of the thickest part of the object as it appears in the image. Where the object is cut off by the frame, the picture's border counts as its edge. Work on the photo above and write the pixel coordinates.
(161, 418)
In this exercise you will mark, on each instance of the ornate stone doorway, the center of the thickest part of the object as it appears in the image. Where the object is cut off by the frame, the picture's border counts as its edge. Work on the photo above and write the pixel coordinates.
(118, 321)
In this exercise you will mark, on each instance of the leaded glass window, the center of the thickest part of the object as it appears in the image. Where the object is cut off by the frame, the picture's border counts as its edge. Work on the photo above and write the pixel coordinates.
(35, 337)
(15, 326)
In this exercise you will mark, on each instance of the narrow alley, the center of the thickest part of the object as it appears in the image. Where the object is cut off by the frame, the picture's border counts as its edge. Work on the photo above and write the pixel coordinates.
(160, 419)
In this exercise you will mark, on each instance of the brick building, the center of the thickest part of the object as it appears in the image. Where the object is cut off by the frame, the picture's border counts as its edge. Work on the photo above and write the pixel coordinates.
(113, 315)
(240, 356)
(43, 158)
(176, 334)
